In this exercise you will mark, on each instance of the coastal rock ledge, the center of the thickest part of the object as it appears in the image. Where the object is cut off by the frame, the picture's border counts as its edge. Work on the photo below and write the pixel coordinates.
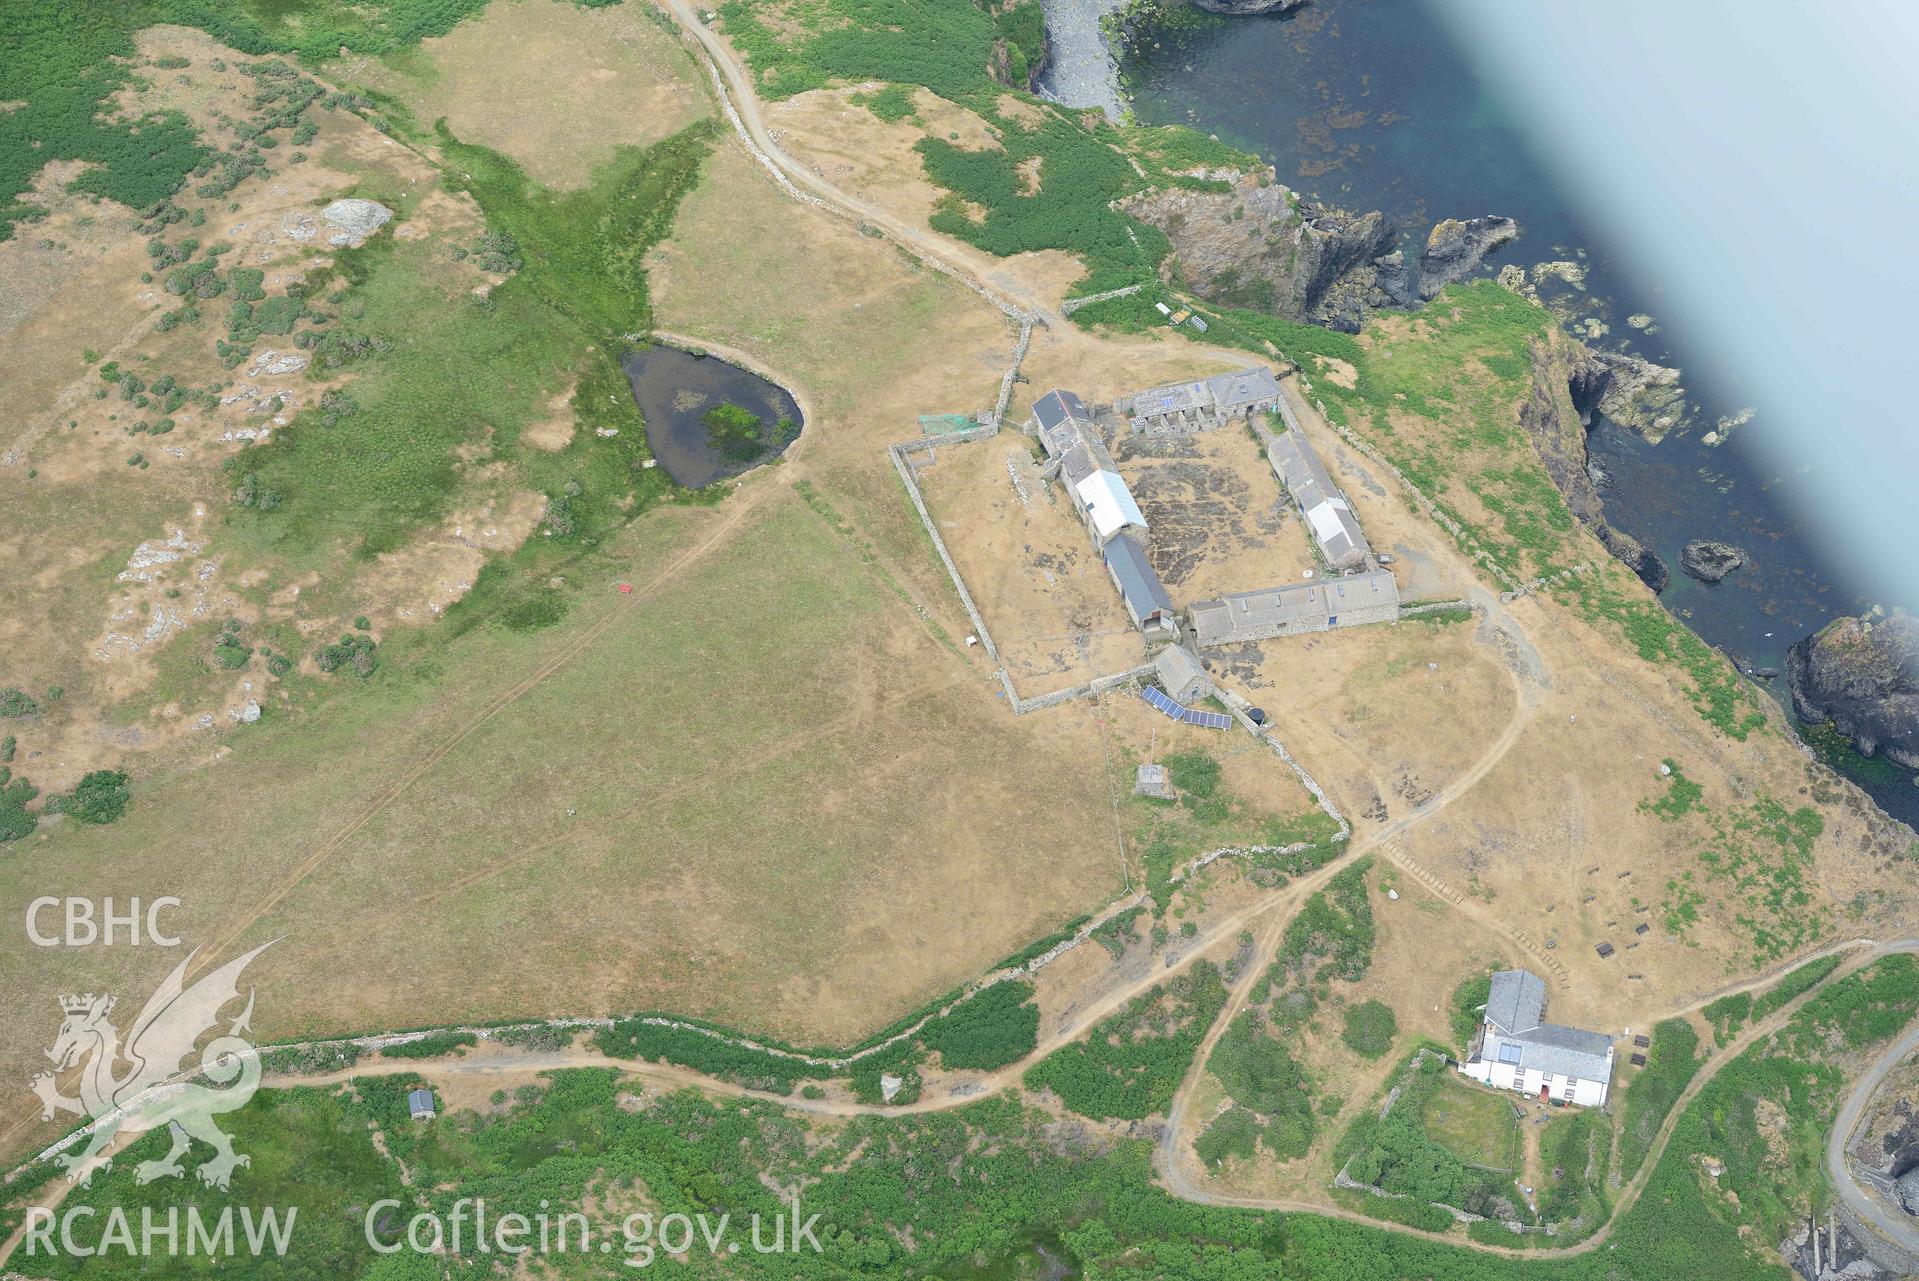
(1455, 248)
(1862, 674)
(1248, 8)
(1709, 561)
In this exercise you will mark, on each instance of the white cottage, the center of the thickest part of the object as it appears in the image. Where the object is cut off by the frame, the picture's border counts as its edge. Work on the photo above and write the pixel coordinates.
(1513, 1050)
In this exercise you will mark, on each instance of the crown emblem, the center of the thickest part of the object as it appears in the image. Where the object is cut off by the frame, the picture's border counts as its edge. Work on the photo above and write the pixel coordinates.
(85, 1004)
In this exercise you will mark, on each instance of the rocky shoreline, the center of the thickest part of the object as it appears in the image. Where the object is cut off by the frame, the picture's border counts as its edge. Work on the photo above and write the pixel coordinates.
(1080, 68)
(1862, 675)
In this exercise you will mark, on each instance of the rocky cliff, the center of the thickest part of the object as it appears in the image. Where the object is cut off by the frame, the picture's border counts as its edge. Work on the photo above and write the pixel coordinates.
(1456, 248)
(1259, 245)
(1630, 390)
(1862, 674)
(1558, 432)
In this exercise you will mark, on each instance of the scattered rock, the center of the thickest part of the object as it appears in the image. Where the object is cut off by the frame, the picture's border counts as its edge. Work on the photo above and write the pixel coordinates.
(1455, 249)
(277, 362)
(1728, 424)
(353, 220)
(1907, 1187)
(1862, 674)
(1709, 561)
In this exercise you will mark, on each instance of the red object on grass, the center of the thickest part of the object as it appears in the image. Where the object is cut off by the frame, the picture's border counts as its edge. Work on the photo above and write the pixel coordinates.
(626, 589)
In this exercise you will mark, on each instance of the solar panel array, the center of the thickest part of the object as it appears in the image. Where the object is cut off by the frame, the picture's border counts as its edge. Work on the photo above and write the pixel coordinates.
(1185, 715)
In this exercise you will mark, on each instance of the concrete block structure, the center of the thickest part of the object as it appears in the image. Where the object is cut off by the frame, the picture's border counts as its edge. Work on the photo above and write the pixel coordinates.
(1352, 601)
(1515, 1050)
(1151, 780)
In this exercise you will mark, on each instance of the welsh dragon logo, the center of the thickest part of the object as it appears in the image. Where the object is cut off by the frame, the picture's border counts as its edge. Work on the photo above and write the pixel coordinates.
(152, 1091)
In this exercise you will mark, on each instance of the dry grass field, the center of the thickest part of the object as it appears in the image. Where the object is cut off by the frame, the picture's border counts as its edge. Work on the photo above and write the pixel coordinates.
(555, 86)
(772, 786)
(1030, 566)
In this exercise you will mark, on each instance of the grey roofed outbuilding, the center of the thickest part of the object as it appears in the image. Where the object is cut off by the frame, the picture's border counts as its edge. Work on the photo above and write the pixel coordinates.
(1180, 673)
(1516, 1000)
(1236, 391)
(1328, 517)
(419, 1104)
(1138, 581)
(1076, 464)
(1514, 1005)
(1057, 406)
(1299, 607)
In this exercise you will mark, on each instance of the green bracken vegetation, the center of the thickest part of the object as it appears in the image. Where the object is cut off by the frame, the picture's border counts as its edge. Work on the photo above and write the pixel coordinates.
(993, 1027)
(1130, 1064)
(1681, 798)
(1670, 1064)
(1265, 1081)
(1369, 1029)
(980, 1190)
(1396, 1154)
(998, 1027)
(432, 1046)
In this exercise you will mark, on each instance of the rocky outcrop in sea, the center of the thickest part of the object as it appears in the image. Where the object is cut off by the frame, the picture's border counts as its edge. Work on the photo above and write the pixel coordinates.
(1455, 249)
(1862, 674)
(1258, 244)
(1710, 561)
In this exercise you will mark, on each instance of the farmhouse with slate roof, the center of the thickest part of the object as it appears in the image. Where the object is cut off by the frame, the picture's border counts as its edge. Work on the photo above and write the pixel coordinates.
(1513, 1050)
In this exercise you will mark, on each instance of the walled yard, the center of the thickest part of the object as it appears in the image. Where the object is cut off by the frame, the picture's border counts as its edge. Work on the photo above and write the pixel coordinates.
(1219, 521)
(1026, 559)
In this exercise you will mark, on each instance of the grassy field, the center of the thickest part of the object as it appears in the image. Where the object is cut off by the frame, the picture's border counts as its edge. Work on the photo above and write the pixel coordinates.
(1474, 1124)
(768, 787)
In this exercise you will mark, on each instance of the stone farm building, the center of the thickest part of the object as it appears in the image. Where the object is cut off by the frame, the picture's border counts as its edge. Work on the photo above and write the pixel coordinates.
(1328, 516)
(1076, 451)
(1180, 675)
(1202, 404)
(1513, 1050)
(1371, 597)
(1140, 589)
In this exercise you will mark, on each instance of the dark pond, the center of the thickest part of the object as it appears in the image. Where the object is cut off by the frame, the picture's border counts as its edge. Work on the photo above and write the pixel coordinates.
(678, 394)
(1370, 104)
